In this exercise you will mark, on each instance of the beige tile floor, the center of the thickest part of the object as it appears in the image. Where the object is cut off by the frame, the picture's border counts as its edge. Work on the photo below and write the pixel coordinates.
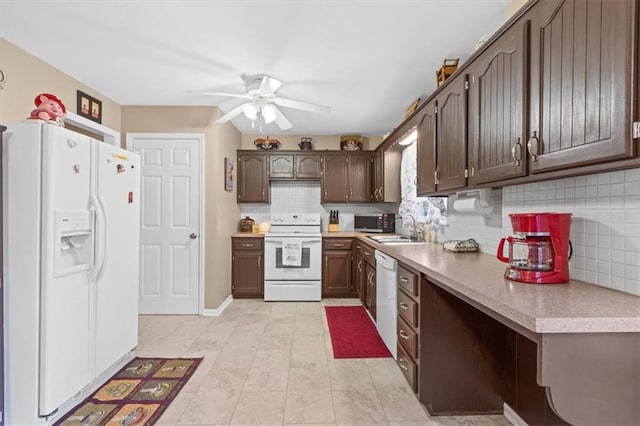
(272, 364)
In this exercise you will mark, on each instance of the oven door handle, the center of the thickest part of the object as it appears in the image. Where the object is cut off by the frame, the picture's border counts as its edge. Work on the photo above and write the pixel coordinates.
(302, 240)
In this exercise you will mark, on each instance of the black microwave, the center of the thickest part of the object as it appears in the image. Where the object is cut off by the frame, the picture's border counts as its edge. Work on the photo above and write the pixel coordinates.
(381, 222)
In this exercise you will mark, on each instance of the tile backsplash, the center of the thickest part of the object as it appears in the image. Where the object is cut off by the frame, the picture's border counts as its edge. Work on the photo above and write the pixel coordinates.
(304, 197)
(605, 227)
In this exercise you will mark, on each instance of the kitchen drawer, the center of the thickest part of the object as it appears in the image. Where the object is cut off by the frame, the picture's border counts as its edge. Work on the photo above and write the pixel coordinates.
(244, 243)
(408, 309)
(369, 255)
(408, 338)
(337, 243)
(408, 281)
(408, 367)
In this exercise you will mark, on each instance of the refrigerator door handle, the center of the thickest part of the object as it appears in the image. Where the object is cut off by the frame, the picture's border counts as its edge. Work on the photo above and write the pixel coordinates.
(103, 240)
(98, 237)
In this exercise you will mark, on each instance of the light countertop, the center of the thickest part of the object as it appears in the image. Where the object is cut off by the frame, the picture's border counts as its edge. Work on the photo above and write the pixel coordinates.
(477, 278)
(576, 307)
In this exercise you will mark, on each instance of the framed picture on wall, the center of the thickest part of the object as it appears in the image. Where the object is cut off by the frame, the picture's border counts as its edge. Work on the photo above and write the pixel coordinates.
(228, 174)
(89, 107)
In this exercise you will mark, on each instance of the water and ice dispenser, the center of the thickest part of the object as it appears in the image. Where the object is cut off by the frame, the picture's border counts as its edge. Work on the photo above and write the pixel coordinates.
(73, 251)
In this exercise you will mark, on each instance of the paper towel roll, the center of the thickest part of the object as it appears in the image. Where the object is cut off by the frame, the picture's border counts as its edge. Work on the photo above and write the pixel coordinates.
(471, 205)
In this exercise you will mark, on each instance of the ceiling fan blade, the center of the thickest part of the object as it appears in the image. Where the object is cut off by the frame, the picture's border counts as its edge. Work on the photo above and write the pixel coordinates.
(281, 120)
(231, 95)
(269, 84)
(305, 106)
(231, 114)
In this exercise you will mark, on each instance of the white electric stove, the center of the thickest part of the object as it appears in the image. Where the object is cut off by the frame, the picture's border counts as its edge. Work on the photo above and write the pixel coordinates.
(293, 258)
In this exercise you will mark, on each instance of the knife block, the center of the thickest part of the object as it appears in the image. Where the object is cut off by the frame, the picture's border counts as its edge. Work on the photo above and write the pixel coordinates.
(334, 227)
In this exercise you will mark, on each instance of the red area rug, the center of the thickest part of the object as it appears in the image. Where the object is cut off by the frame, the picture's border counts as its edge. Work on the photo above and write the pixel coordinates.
(137, 395)
(353, 334)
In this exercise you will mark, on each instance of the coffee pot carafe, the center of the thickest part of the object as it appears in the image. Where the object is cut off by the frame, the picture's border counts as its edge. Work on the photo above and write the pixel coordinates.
(539, 250)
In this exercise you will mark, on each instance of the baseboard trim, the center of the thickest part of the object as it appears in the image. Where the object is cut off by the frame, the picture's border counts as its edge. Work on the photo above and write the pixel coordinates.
(218, 311)
(513, 417)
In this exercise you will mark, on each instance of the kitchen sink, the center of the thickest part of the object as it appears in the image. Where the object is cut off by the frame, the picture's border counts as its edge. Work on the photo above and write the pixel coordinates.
(392, 239)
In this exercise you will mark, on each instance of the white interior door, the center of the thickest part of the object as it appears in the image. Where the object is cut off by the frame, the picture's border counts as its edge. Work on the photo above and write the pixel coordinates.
(171, 214)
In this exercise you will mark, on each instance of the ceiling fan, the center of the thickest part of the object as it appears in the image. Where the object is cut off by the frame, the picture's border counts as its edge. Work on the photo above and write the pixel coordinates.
(262, 102)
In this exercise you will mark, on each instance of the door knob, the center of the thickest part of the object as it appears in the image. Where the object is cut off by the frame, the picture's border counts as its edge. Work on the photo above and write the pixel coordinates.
(193, 235)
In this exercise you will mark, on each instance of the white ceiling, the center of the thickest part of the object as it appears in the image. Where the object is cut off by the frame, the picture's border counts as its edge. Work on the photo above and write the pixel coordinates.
(367, 60)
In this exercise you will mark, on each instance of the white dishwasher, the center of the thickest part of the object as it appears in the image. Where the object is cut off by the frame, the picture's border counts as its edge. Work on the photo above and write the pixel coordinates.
(386, 300)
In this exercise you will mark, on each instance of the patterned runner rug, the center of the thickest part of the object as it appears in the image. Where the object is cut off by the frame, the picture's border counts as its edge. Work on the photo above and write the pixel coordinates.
(137, 395)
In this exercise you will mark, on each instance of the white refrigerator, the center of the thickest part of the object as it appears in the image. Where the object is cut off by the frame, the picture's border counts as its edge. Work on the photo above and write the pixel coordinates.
(71, 246)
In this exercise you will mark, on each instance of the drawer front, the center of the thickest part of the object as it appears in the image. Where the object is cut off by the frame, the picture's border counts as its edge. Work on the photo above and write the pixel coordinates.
(369, 255)
(337, 244)
(247, 243)
(408, 368)
(408, 309)
(408, 281)
(408, 338)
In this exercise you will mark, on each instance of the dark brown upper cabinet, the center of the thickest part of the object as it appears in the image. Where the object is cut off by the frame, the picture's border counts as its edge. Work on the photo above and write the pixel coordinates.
(287, 166)
(581, 78)
(346, 177)
(360, 177)
(308, 166)
(426, 149)
(281, 166)
(497, 129)
(253, 183)
(451, 136)
(386, 175)
(335, 178)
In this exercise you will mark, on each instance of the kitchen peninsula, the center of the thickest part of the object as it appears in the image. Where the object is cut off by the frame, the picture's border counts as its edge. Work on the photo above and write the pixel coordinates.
(504, 341)
(587, 337)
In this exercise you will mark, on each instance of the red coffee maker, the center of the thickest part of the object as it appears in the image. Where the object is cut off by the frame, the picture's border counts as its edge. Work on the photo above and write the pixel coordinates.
(539, 250)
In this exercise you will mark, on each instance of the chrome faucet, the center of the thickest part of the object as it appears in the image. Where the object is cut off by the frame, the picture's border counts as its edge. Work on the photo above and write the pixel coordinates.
(414, 232)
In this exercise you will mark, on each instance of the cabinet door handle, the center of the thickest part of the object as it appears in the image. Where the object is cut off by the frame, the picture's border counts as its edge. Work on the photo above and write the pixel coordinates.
(404, 306)
(404, 279)
(516, 152)
(259, 259)
(534, 146)
(402, 366)
(247, 245)
(326, 261)
(402, 334)
(435, 176)
(338, 245)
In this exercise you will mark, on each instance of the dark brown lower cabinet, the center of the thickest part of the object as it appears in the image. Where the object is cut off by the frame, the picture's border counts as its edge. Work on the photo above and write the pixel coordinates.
(358, 272)
(370, 292)
(470, 363)
(247, 270)
(337, 280)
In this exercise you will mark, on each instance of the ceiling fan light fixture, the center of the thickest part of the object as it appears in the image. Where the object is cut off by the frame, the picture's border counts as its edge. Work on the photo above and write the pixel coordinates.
(269, 114)
(250, 111)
